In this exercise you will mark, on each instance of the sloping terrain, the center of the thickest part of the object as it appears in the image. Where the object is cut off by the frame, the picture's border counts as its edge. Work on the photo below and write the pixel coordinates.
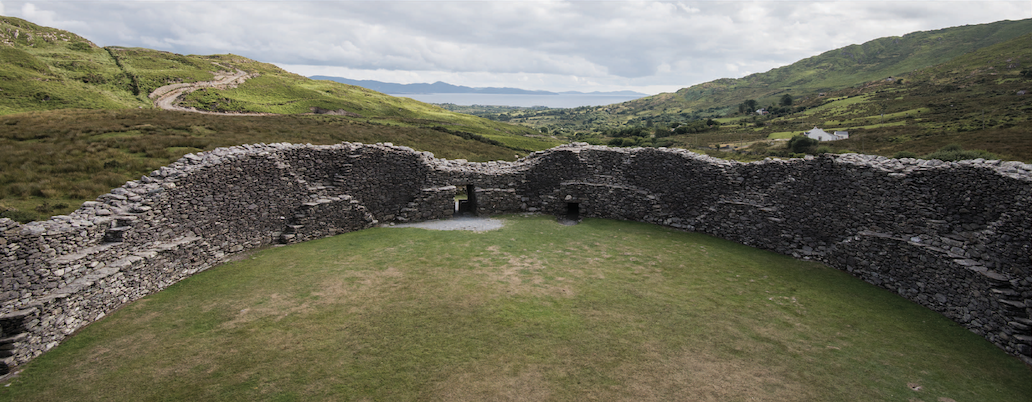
(838, 69)
(910, 95)
(50, 69)
(79, 120)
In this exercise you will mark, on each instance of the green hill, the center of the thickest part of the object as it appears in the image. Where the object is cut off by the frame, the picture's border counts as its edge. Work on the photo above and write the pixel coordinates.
(77, 119)
(909, 95)
(840, 68)
(44, 69)
(49, 69)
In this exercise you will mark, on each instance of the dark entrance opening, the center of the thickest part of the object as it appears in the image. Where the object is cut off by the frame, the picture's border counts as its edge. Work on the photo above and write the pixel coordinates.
(573, 211)
(12, 329)
(466, 200)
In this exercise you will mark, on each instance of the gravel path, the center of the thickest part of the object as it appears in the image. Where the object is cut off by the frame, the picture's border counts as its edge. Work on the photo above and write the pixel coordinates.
(472, 223)
(166, 97)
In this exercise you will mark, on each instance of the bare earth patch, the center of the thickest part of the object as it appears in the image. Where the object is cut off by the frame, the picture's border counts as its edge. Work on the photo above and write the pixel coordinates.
(470, 223)
(501, 382)
(700, 376)
(520, 274)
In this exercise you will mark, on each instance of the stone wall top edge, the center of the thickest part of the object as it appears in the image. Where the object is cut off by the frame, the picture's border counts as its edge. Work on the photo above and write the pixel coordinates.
(1012, 169)
(154, 183)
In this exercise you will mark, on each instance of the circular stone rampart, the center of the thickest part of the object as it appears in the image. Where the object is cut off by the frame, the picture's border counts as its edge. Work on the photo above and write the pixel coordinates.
(954, 237)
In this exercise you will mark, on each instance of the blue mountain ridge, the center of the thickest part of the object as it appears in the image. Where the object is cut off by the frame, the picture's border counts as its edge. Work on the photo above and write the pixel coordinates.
(446, 88)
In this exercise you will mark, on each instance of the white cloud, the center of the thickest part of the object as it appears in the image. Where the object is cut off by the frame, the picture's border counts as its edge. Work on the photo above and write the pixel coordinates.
(553, 45)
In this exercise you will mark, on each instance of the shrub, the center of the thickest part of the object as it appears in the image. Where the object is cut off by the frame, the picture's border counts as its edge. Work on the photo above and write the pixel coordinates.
(80, 46)
(904, 154)
(801, 144)
(18, 216)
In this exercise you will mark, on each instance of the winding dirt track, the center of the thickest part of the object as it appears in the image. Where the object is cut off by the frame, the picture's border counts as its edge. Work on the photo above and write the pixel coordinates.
(167, 97)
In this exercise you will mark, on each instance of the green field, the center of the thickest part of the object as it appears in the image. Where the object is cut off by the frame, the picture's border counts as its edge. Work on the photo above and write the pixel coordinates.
(52, 161)
(604, 310)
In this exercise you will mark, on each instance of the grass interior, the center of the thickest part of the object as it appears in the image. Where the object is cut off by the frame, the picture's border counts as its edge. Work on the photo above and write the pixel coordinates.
(604, 310)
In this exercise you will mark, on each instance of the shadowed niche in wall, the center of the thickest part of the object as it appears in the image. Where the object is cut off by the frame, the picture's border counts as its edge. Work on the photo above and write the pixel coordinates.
(466, 200)
(571, 215)
(573, 211)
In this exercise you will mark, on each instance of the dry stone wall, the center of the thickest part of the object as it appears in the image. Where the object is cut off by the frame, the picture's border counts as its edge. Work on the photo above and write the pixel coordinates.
(954, 237)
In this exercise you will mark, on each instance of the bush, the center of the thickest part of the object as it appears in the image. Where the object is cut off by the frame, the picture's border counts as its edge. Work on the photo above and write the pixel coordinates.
(801, 144)
(18, 216)
(904, 154)
(80, 46)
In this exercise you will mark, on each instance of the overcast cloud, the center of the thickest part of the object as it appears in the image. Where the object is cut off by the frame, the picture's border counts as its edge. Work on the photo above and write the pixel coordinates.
(647, 46)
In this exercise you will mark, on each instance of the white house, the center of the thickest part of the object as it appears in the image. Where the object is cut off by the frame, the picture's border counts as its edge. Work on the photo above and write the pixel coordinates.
(821, 135)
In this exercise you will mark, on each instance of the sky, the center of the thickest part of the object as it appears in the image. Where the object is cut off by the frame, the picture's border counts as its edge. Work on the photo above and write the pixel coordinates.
(644, 46)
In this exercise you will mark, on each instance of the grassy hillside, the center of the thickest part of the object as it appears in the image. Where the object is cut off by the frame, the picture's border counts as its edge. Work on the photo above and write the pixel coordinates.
(973, 101)
(838, 69)
(44, 69)
(603, 310)
(76, 119)
(48, 69)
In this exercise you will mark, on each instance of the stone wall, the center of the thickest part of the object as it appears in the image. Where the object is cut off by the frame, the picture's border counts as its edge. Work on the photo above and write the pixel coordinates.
(954, 237)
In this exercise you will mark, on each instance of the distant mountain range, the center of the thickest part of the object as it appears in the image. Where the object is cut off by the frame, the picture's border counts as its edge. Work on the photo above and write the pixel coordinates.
(446, 88)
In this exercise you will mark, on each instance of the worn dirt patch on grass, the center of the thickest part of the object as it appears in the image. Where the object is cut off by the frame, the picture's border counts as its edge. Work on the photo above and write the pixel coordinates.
(702, 376)
(521, 274)
(350, 286)
(494, 383)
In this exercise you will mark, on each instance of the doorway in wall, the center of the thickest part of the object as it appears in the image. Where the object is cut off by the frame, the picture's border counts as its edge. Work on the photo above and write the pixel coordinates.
(466, 200)
(573, 211)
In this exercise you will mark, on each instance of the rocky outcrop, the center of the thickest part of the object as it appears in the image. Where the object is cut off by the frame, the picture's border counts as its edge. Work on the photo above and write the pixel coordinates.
(954, 237)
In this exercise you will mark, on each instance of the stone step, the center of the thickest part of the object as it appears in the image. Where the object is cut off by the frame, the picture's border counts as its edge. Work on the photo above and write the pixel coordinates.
(4, 342)
(70, 258)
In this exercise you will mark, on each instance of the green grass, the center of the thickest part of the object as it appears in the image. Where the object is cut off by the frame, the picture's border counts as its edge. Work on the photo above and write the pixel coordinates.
(604, 310)
(877, 118)
(524, 143)
(70, 156)
(782, 135)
